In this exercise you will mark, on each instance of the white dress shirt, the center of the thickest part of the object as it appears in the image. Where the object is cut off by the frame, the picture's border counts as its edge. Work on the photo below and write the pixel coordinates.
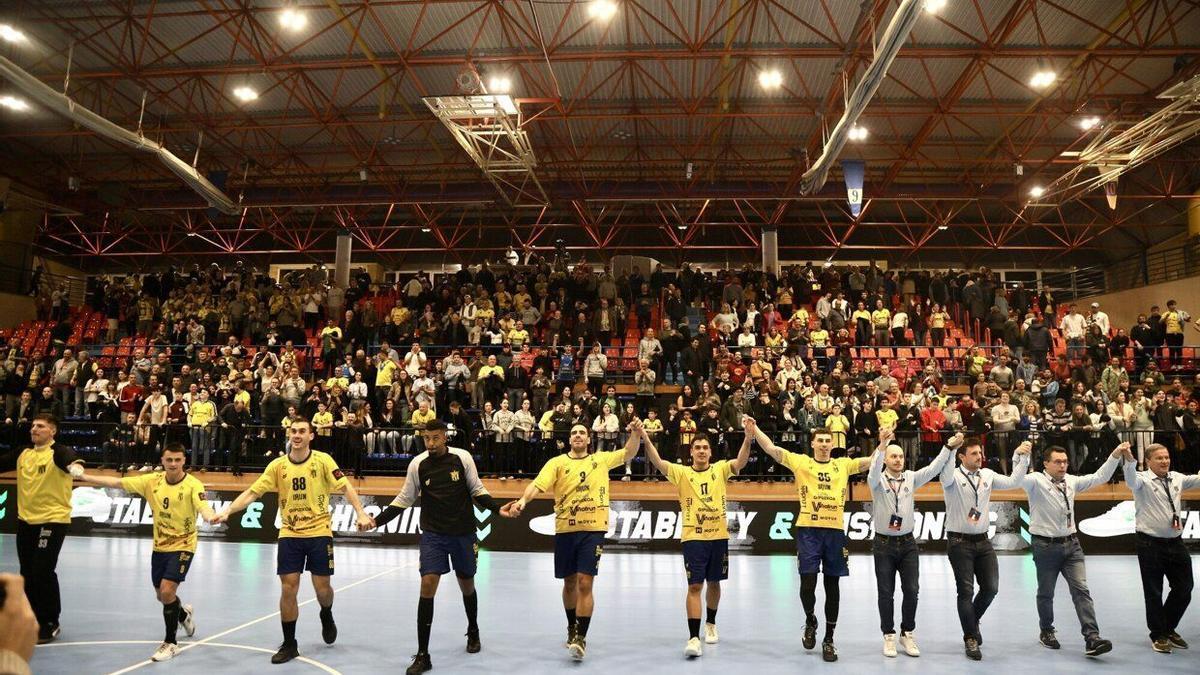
(896, 497)
(1052, 503)
(966, 490)
(1156, 510)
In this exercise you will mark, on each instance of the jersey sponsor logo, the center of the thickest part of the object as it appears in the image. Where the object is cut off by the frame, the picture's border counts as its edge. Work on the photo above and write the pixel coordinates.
(337, 474)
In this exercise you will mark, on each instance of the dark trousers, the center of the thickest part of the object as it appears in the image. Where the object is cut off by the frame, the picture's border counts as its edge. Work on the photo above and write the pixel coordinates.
(892, 555)
(1175, 347)
(973, 561)
(38, 547)
(1159, 558)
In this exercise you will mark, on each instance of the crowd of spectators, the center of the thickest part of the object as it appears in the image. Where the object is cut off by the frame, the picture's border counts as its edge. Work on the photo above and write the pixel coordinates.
(512, 357)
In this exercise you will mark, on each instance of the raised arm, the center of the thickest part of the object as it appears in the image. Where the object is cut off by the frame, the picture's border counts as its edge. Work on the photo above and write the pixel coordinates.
(875, 473)
(743, 456)
(927, 473)
(761, 439)
(636, 433)
(1105, 471)
(652, 452)
(1020, 469)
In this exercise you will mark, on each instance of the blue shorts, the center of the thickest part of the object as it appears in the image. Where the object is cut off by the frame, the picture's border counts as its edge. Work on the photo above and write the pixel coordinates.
(439, 551)
(297, 554)
(822, 549)
(171, 566)
(706, 560)
(577, 553)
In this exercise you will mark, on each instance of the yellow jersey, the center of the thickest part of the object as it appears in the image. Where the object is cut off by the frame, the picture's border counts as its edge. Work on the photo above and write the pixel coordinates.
(1173, 322)
(937, 320)
(819, 337)
(580, 487)
(304, 490)
(881, 318)
(43, 487)
(384, 372)
(175, 507)
(702, 499)
(322, 418)
(887, 418)
(822, 487)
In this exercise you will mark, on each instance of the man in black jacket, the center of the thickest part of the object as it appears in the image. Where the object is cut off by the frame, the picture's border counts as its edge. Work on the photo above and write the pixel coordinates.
(233, 417)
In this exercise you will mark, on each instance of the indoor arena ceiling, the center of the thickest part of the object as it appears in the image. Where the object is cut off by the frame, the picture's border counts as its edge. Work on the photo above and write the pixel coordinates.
(649, 120)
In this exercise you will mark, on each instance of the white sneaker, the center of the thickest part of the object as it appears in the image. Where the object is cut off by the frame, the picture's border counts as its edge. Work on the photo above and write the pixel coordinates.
(146, 468)
(889, 645)
(188, 620)
(165, 652)
(694, 648)
(710, 633)
(908, 642)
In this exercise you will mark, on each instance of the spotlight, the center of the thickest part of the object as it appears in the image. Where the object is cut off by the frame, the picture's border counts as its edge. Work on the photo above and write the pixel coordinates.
(1042, 79)
(602, 10)
(1089, 123)
(14, 103)
(10, 34)
(857, 133)
(292, 19)
(934, 6)
(499, 84)
(770, 79)
(245, 94)
(1037, 191)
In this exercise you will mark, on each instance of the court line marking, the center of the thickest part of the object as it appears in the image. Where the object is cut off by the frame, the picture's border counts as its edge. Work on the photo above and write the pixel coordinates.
(263, 618)
(302, 659)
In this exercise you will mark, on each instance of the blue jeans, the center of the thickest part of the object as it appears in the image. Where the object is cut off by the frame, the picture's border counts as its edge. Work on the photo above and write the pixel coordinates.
(973, 561)
(1066, 558)
(201, 446)
(1074, 348)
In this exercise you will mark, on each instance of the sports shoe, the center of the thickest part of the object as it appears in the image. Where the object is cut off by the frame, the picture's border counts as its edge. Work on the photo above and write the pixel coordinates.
(577, 646)
(1049, 640)
(146, 468)
(1096, 646)
(48, 633)
(473, 644)
(889, 645)
(971, 646)
(828, 652)
(627, 477)
(328, 630)
(908, 642)
(421, 663)
(287, 652)
(710, 633)
(1176, 641)
(693, 648)
(810, 634)
(188, 620)
(570, 635)
(1161, 645)
(165, 652)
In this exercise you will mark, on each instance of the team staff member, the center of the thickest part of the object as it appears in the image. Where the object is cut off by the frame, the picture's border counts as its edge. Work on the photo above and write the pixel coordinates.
(580, 484)
(304, 479)
(968, 494)
(820, 540)
(176, 499)
(893, 497)
(1056, 549)
(447, 484)
(44, 474)
(1157, 496)
(702, 487)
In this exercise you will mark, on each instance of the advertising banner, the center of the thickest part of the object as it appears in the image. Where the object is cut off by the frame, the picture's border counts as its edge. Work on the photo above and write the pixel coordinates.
(755, 527)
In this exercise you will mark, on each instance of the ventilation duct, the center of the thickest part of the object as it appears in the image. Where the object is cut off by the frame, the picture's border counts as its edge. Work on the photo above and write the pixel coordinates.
(63, 105)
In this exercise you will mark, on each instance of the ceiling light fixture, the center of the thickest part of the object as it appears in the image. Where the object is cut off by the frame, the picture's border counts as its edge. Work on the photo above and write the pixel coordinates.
(935, 6)
(1089, 123)
(10, 34)
(426, 229)
(1037, 191)
(681, 227)
(602, 10)
(499, 84)
(245, 94)
(857, 133)
(292, 19)
(943, 228)
(14, 103)
(1042, 79)
(770, 79)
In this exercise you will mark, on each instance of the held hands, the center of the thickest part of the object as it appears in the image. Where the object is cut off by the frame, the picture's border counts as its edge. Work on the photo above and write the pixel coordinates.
(365, 522)
(220, 518)
(1123, 452)
(635, 426)
(1023, 448)
(955, 441)
(886, 435)
(749, 424)
(513, 509)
